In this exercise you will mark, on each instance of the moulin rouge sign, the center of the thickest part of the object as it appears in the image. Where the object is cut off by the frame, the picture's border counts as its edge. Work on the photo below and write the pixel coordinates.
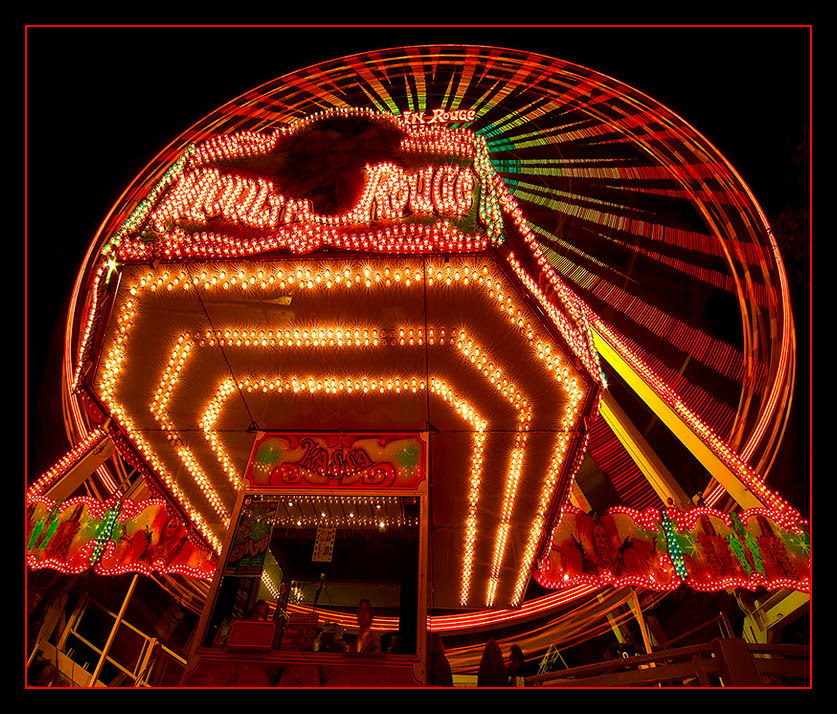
(440, 116)
(391, 192)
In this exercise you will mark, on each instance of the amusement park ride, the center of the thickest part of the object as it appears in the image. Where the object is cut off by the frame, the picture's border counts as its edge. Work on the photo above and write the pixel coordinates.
(376, 329)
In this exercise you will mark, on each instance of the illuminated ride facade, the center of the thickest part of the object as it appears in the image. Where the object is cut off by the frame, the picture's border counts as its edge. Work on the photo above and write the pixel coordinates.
(363, 332)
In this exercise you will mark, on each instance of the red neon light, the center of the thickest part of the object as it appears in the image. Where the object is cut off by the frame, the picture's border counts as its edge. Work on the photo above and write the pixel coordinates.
(624, 547)
(65, 536)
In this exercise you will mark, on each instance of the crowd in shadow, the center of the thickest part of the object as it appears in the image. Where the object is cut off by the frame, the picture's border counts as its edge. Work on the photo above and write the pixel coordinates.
(493, 671)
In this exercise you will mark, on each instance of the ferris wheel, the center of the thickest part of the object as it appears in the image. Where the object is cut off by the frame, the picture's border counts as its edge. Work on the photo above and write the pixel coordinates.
(657, 237)
(637, 212)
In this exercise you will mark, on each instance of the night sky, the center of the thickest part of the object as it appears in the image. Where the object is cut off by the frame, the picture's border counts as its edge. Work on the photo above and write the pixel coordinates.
(101, 103)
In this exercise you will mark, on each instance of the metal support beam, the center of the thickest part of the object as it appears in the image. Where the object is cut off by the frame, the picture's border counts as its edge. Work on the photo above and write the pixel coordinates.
(95, 676)
(621, 638)
(643, 627)
(578, 499)
(642, 454)
(736, 664)
(147, 661)
(776, 608)
(78, 611)
(682, 431)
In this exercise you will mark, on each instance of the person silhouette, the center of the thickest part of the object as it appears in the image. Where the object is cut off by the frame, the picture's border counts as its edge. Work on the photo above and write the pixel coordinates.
(368, 641)
(440, 673)
(492, 672)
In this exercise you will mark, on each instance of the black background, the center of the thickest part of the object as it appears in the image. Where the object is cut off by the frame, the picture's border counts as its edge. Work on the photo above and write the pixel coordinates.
(102, 102)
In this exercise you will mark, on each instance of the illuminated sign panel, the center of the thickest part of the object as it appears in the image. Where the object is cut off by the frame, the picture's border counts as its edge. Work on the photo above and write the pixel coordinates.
(440, 116)
(335, 461)
(205, 194)
(114, 537)
(348, 179)
(662, 549)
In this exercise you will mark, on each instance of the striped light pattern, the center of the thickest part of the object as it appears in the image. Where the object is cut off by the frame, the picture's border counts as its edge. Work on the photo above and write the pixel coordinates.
(612, 459)
(325, 276)
(391, 386)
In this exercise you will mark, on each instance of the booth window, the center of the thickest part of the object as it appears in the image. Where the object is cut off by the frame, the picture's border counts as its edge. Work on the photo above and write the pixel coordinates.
(304, 564)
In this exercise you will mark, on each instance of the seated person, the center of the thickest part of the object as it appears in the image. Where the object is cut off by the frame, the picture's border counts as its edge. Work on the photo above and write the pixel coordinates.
(367, 642)
(259, 611)
(330, 639)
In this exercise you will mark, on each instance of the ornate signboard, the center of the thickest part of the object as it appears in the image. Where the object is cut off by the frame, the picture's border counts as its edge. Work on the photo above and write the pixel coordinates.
(334, 461)
(114, 537)
(661, 549)
(431, 189)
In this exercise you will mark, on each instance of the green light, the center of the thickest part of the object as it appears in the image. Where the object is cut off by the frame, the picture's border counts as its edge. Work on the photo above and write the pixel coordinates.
(674, 549)
(112, 267)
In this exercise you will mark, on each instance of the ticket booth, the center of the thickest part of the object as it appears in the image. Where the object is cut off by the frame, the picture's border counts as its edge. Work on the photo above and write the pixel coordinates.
(323, 580)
